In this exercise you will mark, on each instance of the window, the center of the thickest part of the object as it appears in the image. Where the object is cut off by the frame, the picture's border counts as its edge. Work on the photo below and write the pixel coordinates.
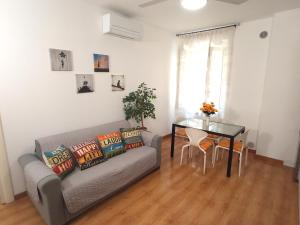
(203, 69)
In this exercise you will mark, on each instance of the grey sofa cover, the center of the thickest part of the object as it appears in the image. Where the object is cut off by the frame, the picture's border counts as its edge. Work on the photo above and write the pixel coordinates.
(62, 200)
(87, 186)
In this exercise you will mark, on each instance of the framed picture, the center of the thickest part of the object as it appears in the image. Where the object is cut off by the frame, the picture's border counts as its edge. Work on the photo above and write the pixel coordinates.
(118, 82)
(85, 83)
(101, 63)
(61, 60)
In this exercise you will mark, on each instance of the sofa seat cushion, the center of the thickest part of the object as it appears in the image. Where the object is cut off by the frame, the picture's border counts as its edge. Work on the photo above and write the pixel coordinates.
(82, 188)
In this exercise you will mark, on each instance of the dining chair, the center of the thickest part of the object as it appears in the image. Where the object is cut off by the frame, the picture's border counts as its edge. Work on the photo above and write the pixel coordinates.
(216, 138)
(240, 144)
(198, 139)
(180, 132)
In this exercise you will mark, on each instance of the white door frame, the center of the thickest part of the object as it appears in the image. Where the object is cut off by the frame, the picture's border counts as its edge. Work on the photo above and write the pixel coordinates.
(6, 189)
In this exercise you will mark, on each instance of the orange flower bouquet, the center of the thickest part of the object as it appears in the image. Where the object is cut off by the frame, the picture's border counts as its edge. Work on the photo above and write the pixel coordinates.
(208, 108)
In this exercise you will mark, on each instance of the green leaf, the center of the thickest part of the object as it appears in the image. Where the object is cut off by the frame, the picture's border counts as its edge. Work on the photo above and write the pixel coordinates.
(138, 104)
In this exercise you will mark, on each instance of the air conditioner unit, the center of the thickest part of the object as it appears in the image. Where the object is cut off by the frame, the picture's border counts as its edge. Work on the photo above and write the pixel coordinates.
(122, 27)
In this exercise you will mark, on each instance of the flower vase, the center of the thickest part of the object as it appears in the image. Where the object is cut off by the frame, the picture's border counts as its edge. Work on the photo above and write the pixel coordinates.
(206, 122)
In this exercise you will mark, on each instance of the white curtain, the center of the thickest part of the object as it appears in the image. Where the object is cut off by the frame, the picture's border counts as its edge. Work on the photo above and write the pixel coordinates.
(6, 189)
(203, 71)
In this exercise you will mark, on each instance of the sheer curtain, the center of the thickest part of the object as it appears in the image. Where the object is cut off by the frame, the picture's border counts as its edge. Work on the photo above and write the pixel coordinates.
(203, 71)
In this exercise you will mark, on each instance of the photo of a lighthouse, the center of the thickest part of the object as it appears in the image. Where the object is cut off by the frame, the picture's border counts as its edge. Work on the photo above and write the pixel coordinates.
(101, 63)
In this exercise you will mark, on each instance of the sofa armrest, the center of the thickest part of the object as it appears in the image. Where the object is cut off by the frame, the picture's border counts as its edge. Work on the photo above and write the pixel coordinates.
(50, 204)
(153, 141)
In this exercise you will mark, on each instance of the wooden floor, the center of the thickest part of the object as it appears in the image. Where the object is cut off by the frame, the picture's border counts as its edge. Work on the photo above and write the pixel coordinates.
(264, 195)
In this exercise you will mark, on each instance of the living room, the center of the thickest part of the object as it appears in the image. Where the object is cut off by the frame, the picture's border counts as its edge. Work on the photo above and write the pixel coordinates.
(260, 78)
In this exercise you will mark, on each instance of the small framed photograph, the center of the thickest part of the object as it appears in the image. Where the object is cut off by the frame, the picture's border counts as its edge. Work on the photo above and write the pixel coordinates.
(118, 82)
(85, 83)
(61, 60)
(101, 63)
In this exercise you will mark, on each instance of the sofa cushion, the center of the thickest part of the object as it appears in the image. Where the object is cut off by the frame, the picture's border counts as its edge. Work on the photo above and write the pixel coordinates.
(83, 188)
(87, 154)
(111, 144)
(60, 161)
(132, 138)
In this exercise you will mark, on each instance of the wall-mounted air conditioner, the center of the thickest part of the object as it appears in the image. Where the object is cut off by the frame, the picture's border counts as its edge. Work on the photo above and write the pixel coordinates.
(122, 27)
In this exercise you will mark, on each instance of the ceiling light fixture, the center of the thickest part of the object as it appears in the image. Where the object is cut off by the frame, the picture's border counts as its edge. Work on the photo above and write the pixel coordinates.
(193, 4)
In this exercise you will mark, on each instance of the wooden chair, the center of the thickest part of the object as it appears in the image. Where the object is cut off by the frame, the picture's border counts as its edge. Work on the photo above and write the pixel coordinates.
(198, 138)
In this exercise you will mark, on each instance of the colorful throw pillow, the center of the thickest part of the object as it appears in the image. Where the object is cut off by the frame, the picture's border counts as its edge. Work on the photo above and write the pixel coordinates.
(60, 161)
(132, 138)
(111, 144)
(87, 154)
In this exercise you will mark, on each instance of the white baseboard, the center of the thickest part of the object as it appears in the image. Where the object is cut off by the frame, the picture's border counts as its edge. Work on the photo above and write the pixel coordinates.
(289, 163)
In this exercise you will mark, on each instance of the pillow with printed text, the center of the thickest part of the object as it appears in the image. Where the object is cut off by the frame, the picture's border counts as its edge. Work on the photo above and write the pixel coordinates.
(87, 154)
(132, 138)
(59, 160)
(111, 144)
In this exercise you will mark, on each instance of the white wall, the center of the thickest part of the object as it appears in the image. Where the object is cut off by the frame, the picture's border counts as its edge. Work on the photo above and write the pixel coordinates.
(279, 119)
(36, 102)
(264, 93)
(250, 56)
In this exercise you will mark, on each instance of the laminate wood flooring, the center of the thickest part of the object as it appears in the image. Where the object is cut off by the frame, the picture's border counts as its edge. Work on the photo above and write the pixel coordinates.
(265, 194)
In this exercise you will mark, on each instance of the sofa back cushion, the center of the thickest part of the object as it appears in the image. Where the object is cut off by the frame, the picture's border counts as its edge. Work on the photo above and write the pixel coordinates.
(76, 137)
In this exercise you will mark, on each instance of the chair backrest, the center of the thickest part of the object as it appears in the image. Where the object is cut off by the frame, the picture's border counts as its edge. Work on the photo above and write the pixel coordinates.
(243, 137)
(195, 136)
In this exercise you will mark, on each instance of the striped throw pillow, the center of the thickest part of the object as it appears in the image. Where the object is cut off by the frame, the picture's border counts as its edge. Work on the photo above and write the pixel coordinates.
(59, 160)
(111, 144)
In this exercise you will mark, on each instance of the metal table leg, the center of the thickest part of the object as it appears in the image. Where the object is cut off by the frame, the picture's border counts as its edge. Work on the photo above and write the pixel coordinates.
(173, 140)
(230, 157)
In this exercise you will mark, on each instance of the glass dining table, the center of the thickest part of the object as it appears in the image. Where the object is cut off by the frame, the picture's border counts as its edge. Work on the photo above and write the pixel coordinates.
(222, 129)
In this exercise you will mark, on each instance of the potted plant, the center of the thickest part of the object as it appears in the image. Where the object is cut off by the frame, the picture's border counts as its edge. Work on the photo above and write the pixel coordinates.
(139, 105)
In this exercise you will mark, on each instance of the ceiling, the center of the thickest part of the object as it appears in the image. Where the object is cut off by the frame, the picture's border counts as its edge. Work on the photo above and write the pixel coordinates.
(171, 16)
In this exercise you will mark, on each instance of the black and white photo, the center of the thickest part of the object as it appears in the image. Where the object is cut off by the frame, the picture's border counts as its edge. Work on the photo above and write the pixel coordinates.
(61, 60)
(118, 82)
(85, 83)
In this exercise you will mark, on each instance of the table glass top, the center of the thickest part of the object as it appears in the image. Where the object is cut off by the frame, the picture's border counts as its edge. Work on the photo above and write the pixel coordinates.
(215, 127)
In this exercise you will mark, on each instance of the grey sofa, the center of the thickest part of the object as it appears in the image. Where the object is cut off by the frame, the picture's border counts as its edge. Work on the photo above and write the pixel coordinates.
(59, 201)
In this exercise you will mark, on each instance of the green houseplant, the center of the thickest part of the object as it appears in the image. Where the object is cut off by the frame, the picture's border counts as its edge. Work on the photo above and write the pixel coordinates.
(139, 105)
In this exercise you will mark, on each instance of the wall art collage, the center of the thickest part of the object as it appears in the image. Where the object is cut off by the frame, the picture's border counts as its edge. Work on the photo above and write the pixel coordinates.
(62, 60)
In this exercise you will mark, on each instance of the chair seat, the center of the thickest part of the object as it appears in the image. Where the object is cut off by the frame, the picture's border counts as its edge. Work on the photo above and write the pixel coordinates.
(180, 132)
(206, 144)
(226, 144)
